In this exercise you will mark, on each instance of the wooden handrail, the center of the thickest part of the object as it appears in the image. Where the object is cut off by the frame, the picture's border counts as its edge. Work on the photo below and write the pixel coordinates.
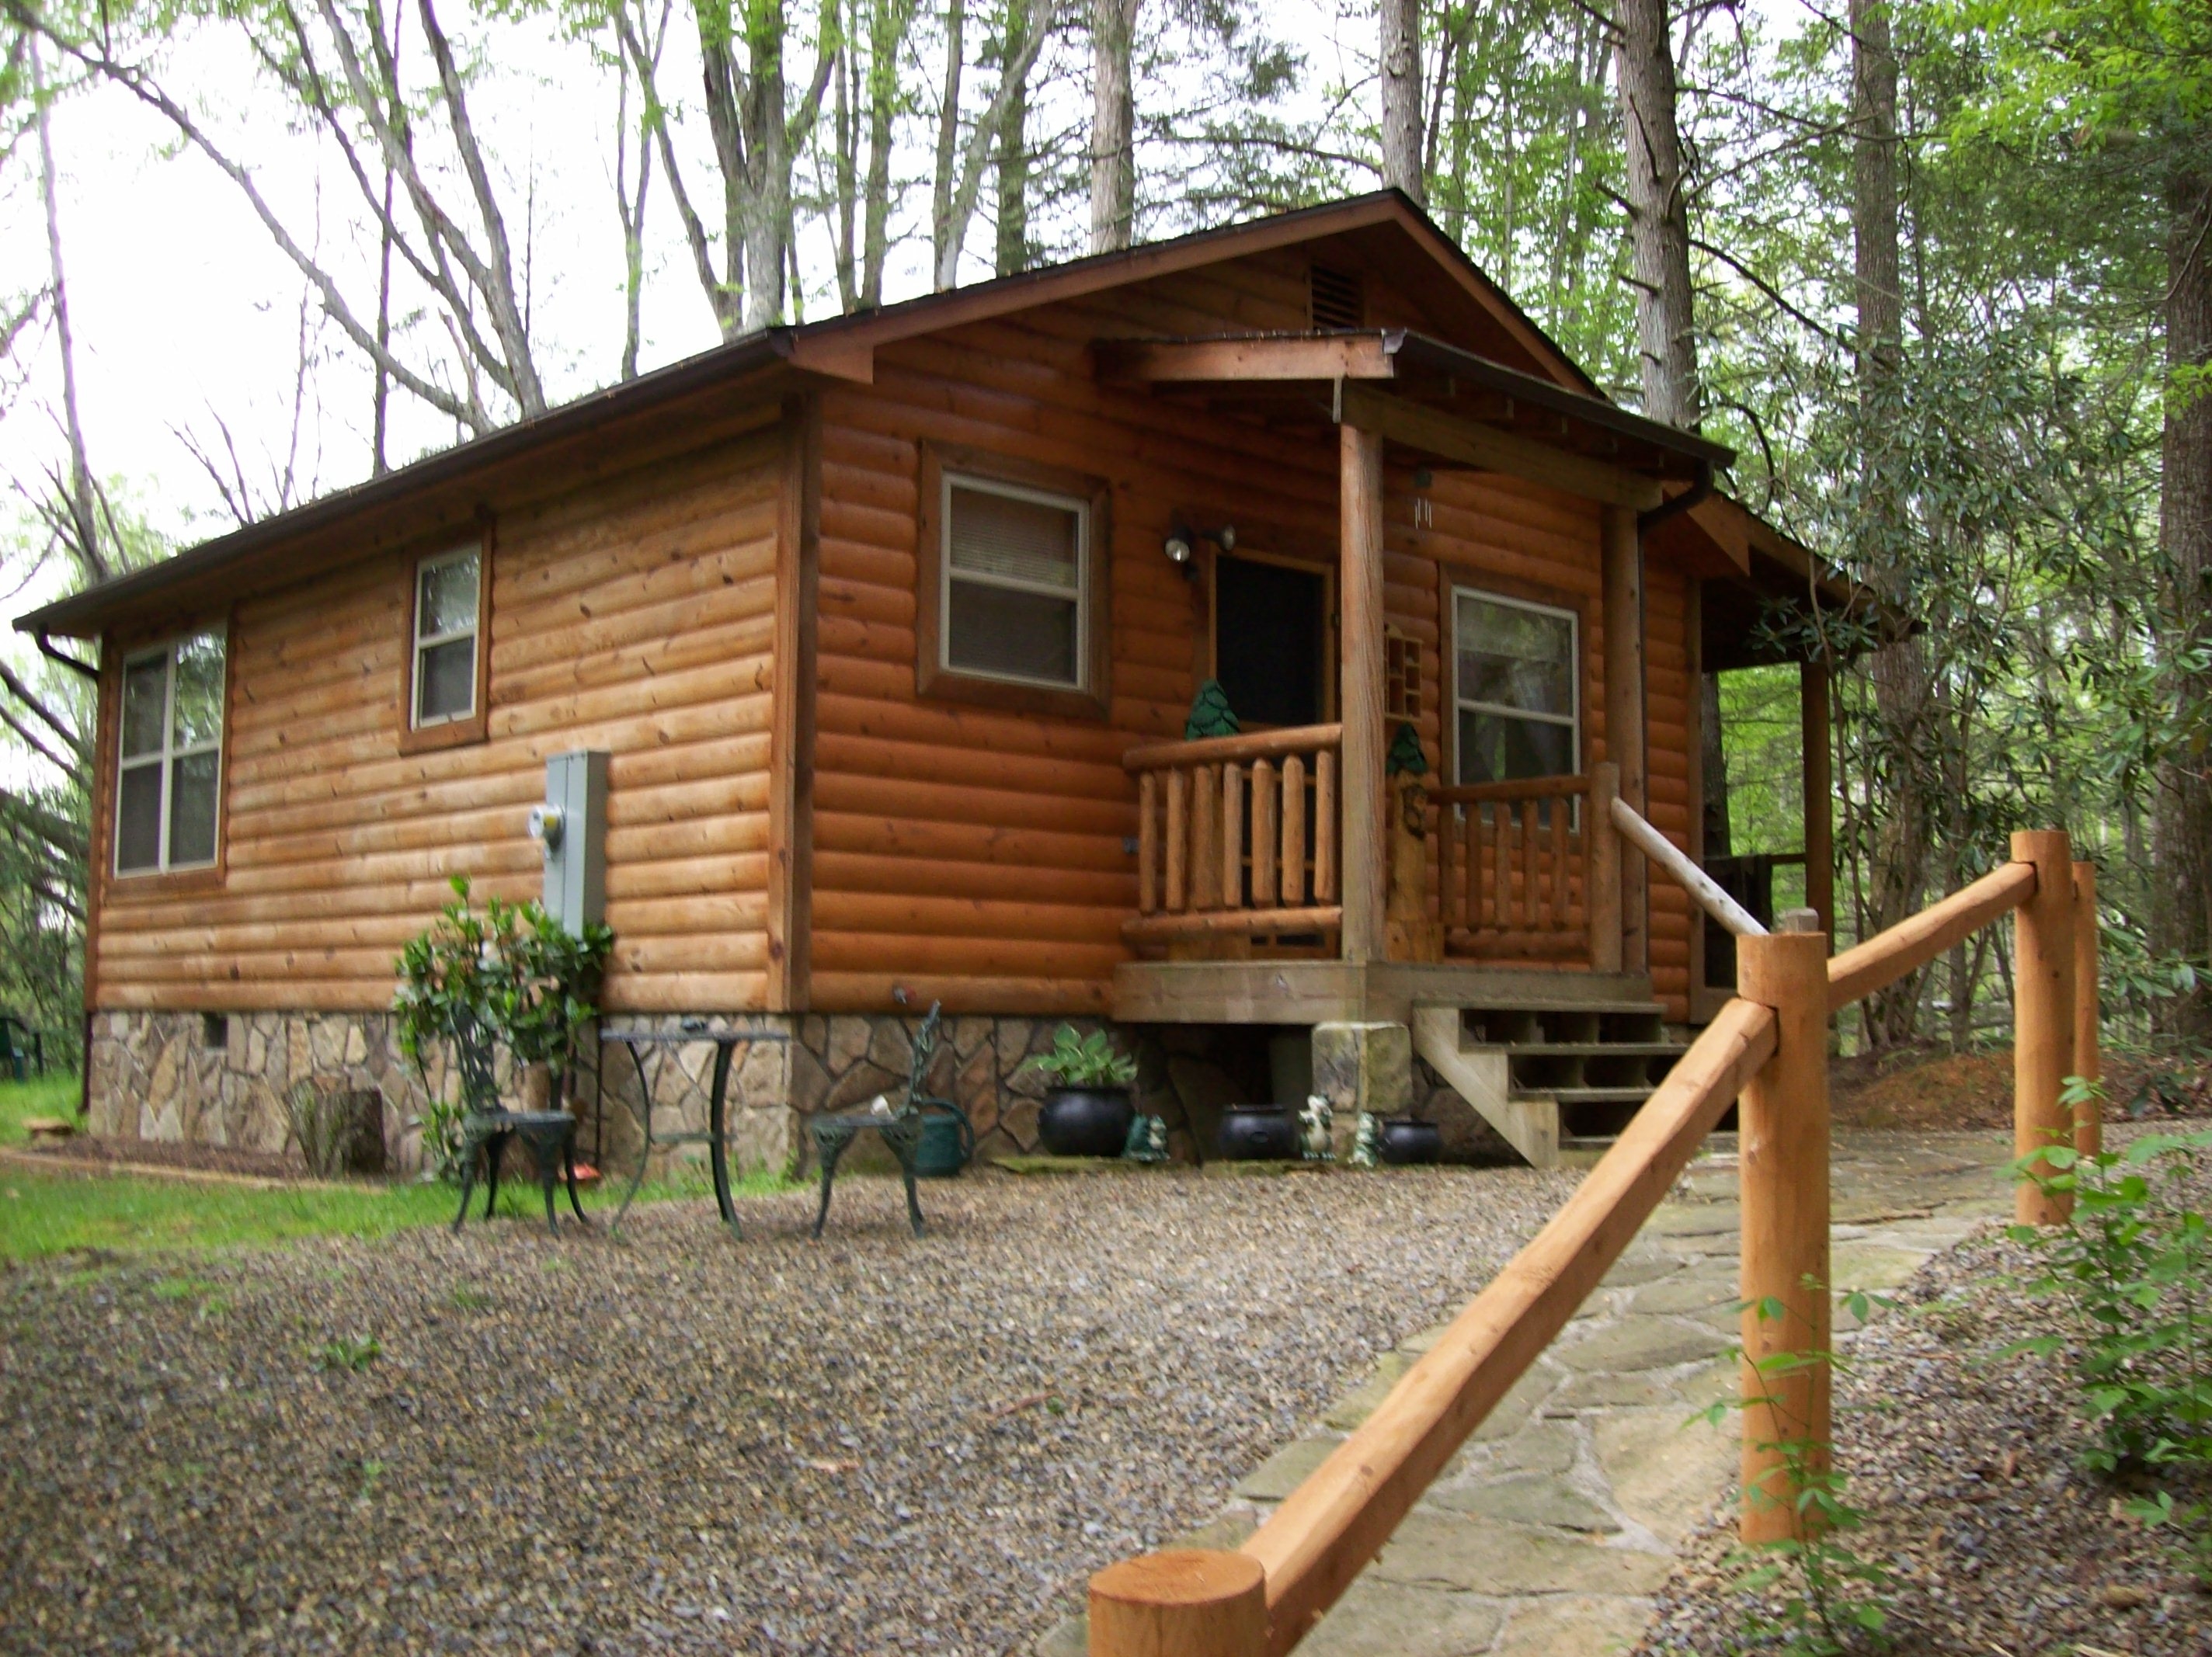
(1481, 793)
(1250, 745)
(1859, 971)
(1327, 1530)
(1701, 886)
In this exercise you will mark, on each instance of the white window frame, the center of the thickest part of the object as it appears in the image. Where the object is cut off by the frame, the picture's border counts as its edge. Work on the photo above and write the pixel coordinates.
(1572, 719)
(1078, 593)
(423, 644)
(168, 753)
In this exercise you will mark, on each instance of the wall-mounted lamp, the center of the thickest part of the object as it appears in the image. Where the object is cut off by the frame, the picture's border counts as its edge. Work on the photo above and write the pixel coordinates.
(1183, 542)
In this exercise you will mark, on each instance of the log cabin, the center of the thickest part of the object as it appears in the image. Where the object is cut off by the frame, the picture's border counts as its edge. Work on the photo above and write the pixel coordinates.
(890, 627)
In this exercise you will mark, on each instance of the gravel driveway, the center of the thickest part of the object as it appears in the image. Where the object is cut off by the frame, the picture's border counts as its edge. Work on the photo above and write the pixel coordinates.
(680, 1443)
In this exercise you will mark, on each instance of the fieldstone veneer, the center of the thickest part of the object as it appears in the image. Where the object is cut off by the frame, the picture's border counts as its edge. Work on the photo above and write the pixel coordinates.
(220, 1080)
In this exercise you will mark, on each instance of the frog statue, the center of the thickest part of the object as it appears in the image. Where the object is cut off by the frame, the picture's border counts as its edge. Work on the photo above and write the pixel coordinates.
(1314, 1125)
(1365, 1140)
(1147, 1141)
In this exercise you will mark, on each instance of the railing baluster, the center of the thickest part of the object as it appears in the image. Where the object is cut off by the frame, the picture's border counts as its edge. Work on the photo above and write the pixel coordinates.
(1178, 841)
(1232, 836)
(1148, 843)
(1294, 830)
(1529, 844)
(1560, 809)
(1484, 876)
(1325, 826)
(1206, 840)
(1445, 864)
(1266, 818)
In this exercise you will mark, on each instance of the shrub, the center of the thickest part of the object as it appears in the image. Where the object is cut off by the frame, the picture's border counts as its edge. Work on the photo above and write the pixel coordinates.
(2130, 1268)
(510, 974)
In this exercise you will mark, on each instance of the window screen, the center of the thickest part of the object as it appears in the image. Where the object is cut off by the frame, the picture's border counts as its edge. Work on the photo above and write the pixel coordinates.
(1516, 684)
(445, 592)
(1014, 570)
(169, 764)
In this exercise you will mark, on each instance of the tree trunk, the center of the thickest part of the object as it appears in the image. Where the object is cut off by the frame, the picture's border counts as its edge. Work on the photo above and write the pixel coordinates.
(83, 520)
(1112, 125)
(1400, 66)
(1658, 215)
(887, 26)
(766, 211)
(943, 253)
(1013, 159)
(2183, 826)
(1904, 832)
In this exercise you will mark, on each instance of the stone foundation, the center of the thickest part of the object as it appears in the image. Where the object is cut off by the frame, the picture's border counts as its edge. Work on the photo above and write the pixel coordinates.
(220, 1080)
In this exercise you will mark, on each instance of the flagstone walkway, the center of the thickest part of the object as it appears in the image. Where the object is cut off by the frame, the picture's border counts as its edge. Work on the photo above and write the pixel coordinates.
(1554, 1527)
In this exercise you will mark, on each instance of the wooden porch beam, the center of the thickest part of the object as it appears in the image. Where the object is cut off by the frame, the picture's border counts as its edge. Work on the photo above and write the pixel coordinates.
(1322, 358)
(1449, 437)
(1622, 582)
(1359, 604)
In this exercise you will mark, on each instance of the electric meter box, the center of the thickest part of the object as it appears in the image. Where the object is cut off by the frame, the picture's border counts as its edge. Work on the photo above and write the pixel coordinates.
(571, 827)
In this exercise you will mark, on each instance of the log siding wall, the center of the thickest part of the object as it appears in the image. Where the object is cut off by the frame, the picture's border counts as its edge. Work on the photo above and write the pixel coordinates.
(980, 856)
(983, 857)
(637, 617)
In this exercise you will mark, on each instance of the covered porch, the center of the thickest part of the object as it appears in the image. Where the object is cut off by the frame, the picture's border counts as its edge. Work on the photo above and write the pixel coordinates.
(1345, 870)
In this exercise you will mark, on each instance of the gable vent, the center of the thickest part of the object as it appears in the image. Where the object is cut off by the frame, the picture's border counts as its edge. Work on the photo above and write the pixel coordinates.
(1336, 298)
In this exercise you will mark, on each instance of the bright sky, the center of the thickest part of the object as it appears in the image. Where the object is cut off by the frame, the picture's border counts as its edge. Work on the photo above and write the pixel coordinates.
(183, 310)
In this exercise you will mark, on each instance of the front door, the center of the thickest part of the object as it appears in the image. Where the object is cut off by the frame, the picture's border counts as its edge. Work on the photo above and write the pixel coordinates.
(1272, 643)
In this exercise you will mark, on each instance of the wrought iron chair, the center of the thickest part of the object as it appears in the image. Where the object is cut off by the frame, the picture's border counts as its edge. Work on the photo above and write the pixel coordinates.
(901, 1129)
(486, 1128)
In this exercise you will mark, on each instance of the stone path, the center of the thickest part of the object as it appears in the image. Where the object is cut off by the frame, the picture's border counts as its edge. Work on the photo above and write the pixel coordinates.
(1555, 1526)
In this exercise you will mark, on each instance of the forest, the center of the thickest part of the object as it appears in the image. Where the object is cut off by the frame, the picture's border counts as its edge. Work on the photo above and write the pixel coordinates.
(1937, 269)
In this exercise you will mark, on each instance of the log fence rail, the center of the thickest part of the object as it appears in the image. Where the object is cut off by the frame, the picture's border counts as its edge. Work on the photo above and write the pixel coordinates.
(1766, 1049)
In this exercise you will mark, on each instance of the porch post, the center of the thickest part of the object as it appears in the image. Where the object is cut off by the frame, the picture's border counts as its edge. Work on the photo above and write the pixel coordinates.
(1360, 701)
(1819, 793)
(1623, 581)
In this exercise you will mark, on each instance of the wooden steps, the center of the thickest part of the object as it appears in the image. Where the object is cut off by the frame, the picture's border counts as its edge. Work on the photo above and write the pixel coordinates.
(1559, 1076)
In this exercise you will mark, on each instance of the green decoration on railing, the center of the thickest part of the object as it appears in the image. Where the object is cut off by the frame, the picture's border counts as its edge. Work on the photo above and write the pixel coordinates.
(1405, 755)
(1210, 714)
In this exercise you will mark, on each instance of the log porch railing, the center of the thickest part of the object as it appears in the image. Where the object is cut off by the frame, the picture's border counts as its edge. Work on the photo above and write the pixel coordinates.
(1238, 835)
(1768, 1045)
(1519, 876)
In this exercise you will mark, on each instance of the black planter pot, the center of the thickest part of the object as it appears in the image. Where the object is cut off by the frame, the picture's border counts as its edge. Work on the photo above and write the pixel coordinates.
(1258, 1133)
(1404, 1140)
(1086, 1121)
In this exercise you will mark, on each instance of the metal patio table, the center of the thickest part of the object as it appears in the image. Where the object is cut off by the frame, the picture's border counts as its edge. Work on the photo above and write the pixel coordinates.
(725, 1041)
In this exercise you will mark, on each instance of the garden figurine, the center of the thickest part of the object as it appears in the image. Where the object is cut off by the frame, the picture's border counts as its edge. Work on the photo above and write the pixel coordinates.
(1314, 1123)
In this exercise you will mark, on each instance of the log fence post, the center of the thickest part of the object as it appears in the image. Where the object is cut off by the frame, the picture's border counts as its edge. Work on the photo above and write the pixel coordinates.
(2043, 1017)
(1782, 1121)
(1184, 1602)
(2088, 1056)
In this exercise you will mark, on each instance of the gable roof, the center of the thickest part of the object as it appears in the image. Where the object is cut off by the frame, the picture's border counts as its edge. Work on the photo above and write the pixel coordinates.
(618, 425)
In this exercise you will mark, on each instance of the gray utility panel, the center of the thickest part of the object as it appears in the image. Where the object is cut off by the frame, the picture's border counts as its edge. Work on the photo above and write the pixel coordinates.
(572, 828)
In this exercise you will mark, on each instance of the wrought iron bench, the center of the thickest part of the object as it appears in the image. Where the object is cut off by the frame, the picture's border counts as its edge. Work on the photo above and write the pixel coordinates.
(900, 1129)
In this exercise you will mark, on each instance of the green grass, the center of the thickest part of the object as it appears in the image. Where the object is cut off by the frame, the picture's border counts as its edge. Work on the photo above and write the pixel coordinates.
(45, 1214)
(44, 1095)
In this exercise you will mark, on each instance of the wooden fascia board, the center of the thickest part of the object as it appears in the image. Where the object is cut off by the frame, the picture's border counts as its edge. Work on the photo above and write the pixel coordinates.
(1244, 360)
(1465, 443)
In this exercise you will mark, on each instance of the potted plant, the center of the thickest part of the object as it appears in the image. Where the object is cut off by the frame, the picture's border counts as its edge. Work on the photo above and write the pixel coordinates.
(510, 976)
(1086, 1111)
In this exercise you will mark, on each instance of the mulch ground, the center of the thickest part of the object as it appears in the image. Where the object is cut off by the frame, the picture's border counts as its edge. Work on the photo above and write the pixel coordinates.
(1965, 1462)
(158, 1153)
(680, 1443)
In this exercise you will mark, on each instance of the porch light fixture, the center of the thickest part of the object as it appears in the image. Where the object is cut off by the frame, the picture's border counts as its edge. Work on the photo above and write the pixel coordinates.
(1182, 541)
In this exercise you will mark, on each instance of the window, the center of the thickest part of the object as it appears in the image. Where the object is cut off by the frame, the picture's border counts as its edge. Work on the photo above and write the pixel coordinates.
(1517, 675)
(1011, 600)
(1014, 582)
(169, 765)
(447, 591)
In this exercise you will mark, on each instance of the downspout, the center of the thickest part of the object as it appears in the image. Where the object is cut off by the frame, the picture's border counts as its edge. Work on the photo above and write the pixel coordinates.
(46, 649)
(1701, 489)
